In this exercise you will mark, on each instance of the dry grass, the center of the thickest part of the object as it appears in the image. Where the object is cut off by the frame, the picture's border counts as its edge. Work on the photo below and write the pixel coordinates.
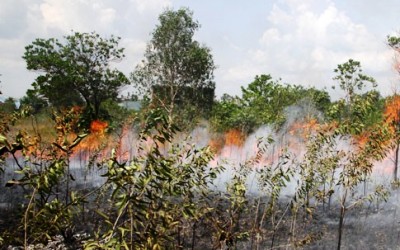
(40, 125)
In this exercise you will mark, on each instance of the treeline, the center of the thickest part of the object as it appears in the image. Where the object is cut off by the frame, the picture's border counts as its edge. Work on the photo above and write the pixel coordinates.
(180, 80)
(177, 74)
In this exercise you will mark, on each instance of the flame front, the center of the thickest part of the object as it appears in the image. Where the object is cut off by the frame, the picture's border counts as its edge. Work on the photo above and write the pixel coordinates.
(98, 127)
(234, 137)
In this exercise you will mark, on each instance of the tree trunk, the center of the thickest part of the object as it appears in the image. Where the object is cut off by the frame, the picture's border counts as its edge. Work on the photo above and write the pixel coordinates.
(396, 161)
(341, 219)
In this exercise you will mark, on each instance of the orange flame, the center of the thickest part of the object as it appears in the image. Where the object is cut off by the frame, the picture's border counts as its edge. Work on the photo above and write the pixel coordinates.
(392, 110)
(216, 144)
(304, 128)
(392, 114)
(98, 127)
(234, 137)
(95, 139)
(362, 139)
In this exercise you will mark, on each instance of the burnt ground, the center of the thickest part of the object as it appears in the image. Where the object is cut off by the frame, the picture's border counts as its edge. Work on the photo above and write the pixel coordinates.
(372, 226)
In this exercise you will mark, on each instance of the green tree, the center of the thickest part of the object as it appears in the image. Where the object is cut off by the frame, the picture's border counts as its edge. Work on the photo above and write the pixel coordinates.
(356, 109)
(227, 114)
(177, 72)
(78, 70)
(264, 101)
(8, 106)
(34, 100)
(356, 114)
(392, 105)
(350, 78)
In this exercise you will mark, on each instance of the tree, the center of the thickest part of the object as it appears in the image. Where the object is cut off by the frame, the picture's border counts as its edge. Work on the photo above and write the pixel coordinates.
(356, 115)
(228, 114)
(76, 71)
(34, 100)
(350, 78)
(8, 106)
(263, 102)
(392, 119)
(354, 111)
(265, 99)
(177, 71)
(392, 112)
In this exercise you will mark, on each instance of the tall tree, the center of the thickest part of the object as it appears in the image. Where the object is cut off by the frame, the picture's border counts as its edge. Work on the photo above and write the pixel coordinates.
(393, 107)
(177, 72)
(77, 70)
(358, 106)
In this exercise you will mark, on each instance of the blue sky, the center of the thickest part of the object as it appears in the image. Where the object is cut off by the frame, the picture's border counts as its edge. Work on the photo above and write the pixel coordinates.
(300, 41)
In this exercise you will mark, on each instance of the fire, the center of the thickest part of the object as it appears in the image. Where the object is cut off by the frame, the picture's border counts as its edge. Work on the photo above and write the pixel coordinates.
(98, 127)
(362, 139)
(234, 137)
(95, 140)
(392, 110)
(304, 128)
(372, 136)
(216, 144)
(392, 113)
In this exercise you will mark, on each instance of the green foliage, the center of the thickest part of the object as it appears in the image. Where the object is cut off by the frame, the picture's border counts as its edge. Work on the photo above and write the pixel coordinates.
(394, 42)
(157, 194)
(114, 113)
(351, 79)
(375, 113)
(34, 100)
(228, 113)
(177, 64)
(77, 71)
(328, 167)
(358, 109)
(227, 212)
(263, 102)
(272, 178)
(7, 146)
(317, 170)
(320, 98)
(43, 173)
(8, 106)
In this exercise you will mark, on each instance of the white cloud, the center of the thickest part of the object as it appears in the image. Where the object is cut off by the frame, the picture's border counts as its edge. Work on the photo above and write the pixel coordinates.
(150, 5)
(14, 78)
(134, 49)
(305, 40)
(301, 41)
(76, 15)
(22, 21)
(12, 17)
(269, 35)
